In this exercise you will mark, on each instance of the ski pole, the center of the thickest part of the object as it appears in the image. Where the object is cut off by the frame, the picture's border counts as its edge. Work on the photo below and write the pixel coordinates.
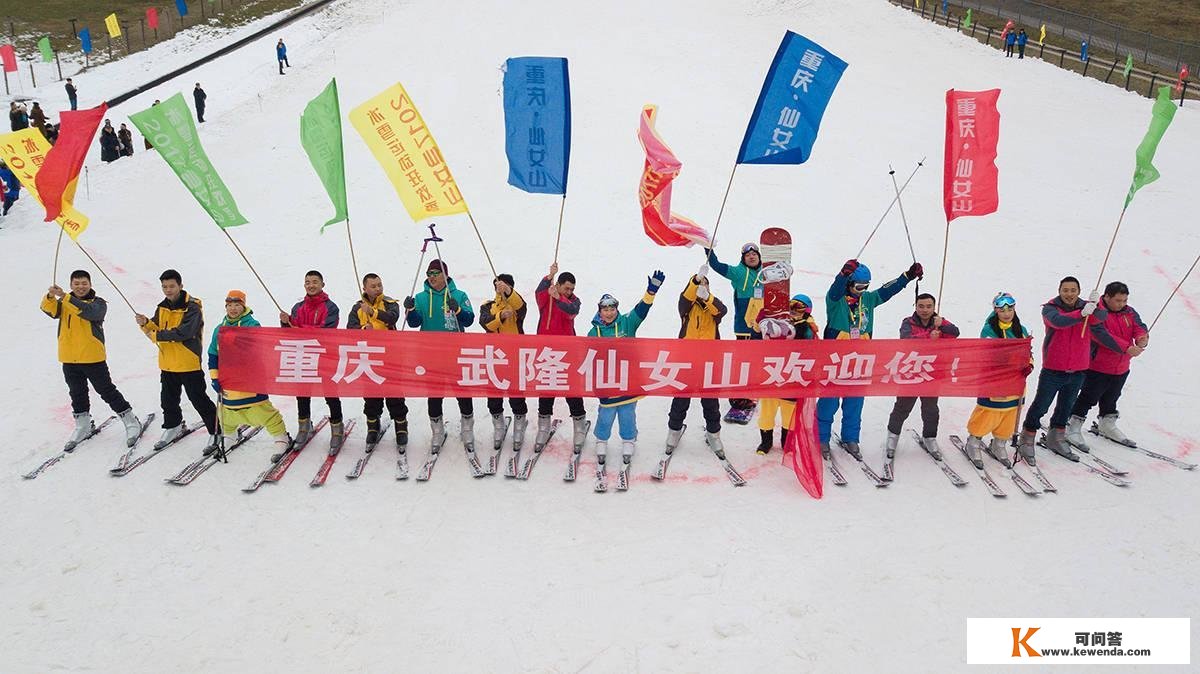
(907, 233)
(889, 208)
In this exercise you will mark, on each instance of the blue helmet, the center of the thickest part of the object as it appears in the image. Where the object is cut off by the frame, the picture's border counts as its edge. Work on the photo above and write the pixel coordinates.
(801, 297)
(862, 274)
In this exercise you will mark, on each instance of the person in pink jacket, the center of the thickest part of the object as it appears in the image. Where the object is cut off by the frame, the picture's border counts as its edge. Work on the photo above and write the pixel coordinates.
(1066, 355)
(1124, 338)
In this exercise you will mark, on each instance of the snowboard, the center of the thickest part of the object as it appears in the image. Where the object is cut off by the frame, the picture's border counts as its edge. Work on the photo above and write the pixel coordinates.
(775, 246)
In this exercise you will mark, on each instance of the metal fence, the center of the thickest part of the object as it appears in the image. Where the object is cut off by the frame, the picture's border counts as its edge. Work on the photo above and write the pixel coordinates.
(1153, 50)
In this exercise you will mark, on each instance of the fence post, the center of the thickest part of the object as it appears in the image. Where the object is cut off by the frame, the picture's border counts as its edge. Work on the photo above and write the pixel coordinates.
(1062, 56)
(973, 27)
(1117, 49)
(1150, 91)
(1127, 80)
(1086, 63)
(58, 63)
(1110, 71)
(1146, 53)
(1183, 93)
(125, 27)
(1042, 52)
(989, 38)
(32, 75)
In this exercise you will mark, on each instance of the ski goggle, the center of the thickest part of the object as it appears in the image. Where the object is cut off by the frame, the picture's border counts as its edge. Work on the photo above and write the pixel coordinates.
(433, 272)
(607, 301)
(749, 248)
(797, 305)
(860, 286)
(1004, 300)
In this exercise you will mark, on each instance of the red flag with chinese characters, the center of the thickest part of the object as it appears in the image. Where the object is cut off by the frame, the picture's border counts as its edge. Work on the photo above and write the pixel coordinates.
(152, 17)
(662, 226)
(970, 181)
(57, 178)
(9, 57)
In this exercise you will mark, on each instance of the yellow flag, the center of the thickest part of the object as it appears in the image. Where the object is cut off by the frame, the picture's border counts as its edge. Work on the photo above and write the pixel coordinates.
(23, 152)
(114, 29)
(394, 131)
(1042, 39)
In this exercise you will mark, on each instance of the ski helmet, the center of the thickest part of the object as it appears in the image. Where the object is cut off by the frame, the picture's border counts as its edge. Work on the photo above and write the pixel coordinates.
(607, 300)
(750, 247)
(801, 297)
(861, 275)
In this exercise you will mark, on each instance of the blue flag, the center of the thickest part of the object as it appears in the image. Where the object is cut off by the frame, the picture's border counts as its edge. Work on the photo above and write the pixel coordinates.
(181, 7)
(537, 123)
(85, 40)
(788, 114)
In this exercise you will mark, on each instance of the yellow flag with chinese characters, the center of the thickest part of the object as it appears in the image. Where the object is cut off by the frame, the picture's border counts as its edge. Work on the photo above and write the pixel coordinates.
(23, 152)
(114, 29)
(395, 133)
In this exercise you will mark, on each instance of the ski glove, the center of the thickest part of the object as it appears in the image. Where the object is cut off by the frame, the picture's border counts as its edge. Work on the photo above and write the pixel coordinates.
(916, 271)
(1088, 308)
(452, 304)
(702, 293)
(702, 271)
(409, 303)
(849, 267)
(655, 281)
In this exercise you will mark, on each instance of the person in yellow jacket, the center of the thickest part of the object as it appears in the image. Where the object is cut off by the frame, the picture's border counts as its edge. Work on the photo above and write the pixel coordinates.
(177, 329)
(80, 315)
(238, 407)
(376, 311)
(505, 315)
(700, 314)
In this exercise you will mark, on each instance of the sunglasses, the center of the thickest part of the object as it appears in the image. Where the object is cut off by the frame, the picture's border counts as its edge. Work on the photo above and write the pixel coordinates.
(604, 304)
(433, 272)
(1004, 300)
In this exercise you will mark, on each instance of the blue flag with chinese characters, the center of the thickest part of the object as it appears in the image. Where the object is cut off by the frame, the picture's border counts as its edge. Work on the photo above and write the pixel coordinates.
(181, 7)
(788, 114)
(85, 40)
(537, 123)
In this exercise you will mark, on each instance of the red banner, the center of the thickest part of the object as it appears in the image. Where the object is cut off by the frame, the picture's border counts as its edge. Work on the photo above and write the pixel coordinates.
(65, 160)
(357, 363)
(9, 57)
(152, 17)
(972, 132)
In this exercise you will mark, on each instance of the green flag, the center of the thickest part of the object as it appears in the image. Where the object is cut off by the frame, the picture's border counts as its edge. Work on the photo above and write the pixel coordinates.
(47, 52)
(967, 21)
(321, 136)
(170, 128)
(1128, 65)
(1160, 119)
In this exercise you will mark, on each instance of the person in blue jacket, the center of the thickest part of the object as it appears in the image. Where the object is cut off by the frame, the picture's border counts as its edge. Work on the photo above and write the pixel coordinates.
(12, 187)
(1022, 38)
(281, 55)
(442, 307)
(1010, 41)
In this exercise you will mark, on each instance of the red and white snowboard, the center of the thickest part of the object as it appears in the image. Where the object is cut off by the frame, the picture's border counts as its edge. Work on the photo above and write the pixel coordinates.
(775, 247)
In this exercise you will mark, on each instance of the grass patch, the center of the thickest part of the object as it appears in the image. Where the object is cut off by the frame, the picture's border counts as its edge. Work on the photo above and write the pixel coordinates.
(1174, 19)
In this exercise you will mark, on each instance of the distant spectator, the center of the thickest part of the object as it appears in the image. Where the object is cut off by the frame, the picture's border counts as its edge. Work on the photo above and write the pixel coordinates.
(110, 145)
(18, 117)
(52, 133)
(1010, 41)
(281, 54)
(12, 188)
(1022, 38)
(125, 136)
(72, 95)
(38, 118)
(199, 96)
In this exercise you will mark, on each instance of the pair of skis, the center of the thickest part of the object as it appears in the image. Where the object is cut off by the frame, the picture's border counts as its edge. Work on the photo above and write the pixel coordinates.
(838, 478)
(276, 471)
(1129, 444)
(196, 468)
(989, 482)
(62, 454)
(1091, 463)
(660, 471)
(889, 470)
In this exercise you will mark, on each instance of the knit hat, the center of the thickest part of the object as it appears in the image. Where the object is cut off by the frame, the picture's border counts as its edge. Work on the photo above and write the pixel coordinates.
(507, 279)
(236, 296)
(438, 265)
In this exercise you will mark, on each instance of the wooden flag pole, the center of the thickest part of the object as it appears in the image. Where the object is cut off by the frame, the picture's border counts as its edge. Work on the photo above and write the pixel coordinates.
(942, 281)
(1104, 265)
(558, 237)
(481, 244)
(712, 241)
(57, 248)
(106, 277)
(350, 240)
(1172, 295)
(247, 260)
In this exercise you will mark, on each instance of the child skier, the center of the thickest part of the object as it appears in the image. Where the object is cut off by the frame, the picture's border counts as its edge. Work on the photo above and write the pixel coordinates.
(998, 416)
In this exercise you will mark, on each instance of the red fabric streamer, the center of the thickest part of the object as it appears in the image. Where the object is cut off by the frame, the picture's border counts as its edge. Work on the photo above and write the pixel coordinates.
(802, 449)
(56, 179)
(970, 180)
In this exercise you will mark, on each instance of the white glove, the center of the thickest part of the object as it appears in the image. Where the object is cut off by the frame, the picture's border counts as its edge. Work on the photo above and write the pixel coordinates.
(1094, 297)
(1089, 307)
(776, 328)
(702, 293)
(702, 271)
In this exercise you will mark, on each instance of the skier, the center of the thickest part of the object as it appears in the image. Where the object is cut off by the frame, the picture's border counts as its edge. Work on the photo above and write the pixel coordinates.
(1022, 38)
(925, 323)
(281, 55)
(800, 325)
(1066, 351)
(442, 307)
(110, 144)
(316, 310)
(199, 97)
(557, 308)
(237, 408)
(700, 314)
(80, 315)
(998, 416)
(505, 314)
(17, 116)
(177, 329)
(72, 94)
(850, 311)
(1010, 41)
(609, 322)
(12, 187)
(1124, 337)
(37, 118)
(376, 311)
(744, 279)
(125, 137)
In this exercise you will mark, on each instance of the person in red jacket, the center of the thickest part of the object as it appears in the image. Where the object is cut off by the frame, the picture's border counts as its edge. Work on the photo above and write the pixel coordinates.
(1066, 353)
(925, 323)
(558, 306)
(1123, 338)
(316, 310)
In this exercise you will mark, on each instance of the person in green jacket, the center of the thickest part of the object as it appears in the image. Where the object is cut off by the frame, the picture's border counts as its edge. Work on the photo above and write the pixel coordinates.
(442, 307)
(610, 322)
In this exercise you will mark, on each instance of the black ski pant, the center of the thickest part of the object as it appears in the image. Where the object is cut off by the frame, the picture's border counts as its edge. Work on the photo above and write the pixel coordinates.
(744, 403)
(1102, 388)
(304, 409)
(575, 405)
(929, 416)
(465, 407)
(396, 407)
(173, 385)
(679, 410)
(518, 405)
(79, 374)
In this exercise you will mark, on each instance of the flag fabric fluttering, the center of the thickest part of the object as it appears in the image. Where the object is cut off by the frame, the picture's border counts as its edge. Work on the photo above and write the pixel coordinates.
(967, 19)
(181, 7)
(114, 28)
(8, 56)
(1128, 65)
(970, 177)
(1042, 37)
(152, 18)
(85, 40)
(802, 448)
(537, 123)
(59, 173)
(794, 95)
(170, 128)
(25, 153)
(46, 49)
(654, 195)
(1144, 171)
(321, 137)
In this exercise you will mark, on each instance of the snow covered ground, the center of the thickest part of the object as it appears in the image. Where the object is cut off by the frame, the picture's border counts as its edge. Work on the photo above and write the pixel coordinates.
(129, 574)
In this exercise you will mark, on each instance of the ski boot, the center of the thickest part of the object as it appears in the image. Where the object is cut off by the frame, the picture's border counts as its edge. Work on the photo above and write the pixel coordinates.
(1108, 428)
(283, 444)
(580, 431)
(168, 436)
(133, 427)
(766, 442)
(783, 433)
(1025, 447)
(467, 431)
(628, 447)
(518, 431)
(499, 427)
(303, 431)
(373, 431)
(713, 440)
(83, 428)
(1075, 433)
(930, 445)
(543, 430)
(214, 443)
(673, 438)
(853, 449)
(401, 428)
(893, 440)
(439, 431)
(337, 435)
(825, 450)
(998, 448)
(974, 449)
(1056, 441)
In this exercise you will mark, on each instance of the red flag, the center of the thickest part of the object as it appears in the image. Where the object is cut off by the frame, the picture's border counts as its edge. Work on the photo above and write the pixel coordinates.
(972, 132)
(662, 226)
(9, 56)
(1183, 75)
(1007, 27)
(152, 17)
(64, 160)
(802, 449)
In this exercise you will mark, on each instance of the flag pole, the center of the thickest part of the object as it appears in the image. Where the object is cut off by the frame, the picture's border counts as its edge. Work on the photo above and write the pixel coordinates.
(1172, 295)
(353, 259)
(57, 248)
(247, 260)
(889, 208)
(712, 241)
(942, 281)
(1104, 265)
(558, 237)
(106, 277)
(481, 243)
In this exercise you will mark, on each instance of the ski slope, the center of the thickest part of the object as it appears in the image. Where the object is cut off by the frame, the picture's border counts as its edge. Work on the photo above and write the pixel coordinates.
(457, 574)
